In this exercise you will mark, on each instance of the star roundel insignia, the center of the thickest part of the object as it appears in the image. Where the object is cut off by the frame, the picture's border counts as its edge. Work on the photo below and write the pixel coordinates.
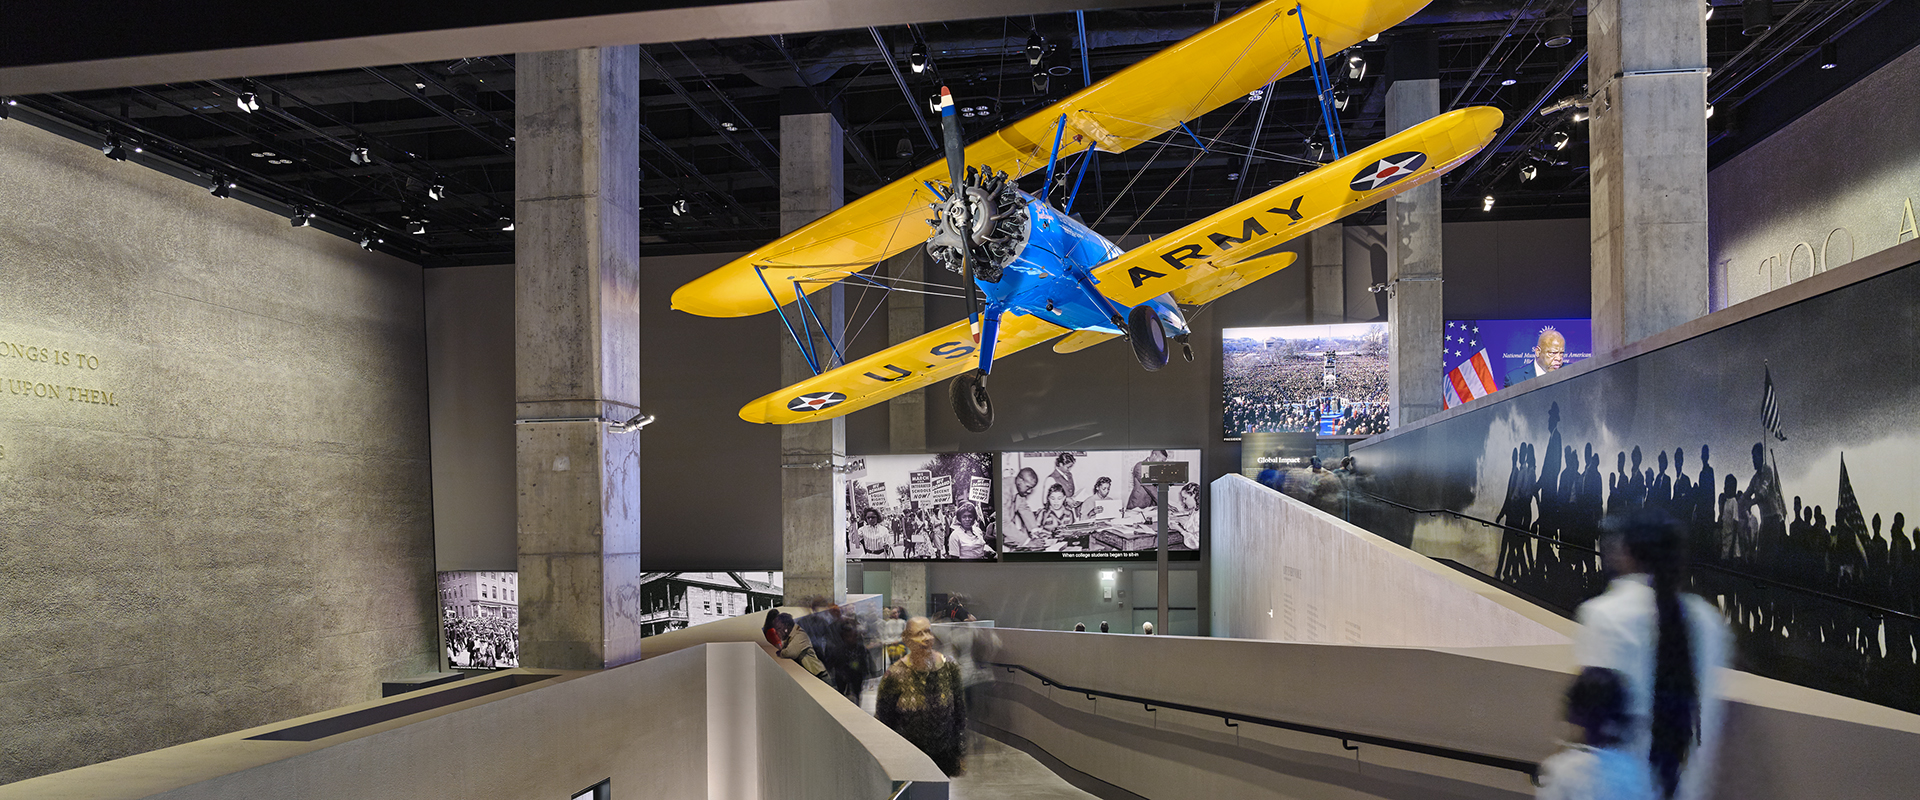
(816, 401)
(1388, 170)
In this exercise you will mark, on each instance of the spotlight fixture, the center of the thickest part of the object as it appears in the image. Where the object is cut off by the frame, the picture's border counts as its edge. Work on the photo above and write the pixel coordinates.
(638, 421)
(1829, 56)
(1559, 31)
(918, 58)
(248, 102)
(6, 107)
(220, 186)
(1559, 140)
(905, 148)
(1356, 67)
(1579, 116)
(1486, 203)
(1529, 172)
(1255, 95)
(417, 227)
(1709, 111)
(436, 192)
(1510, 75)
(302, 217)
(1709, 14)
(1233, 176)
(1040, 82)
(506, 223)
(1756, 17)
(679, 207)
(1036, 48)
(1341, 99)
(114, 148)
(367, 241)
(360, 156)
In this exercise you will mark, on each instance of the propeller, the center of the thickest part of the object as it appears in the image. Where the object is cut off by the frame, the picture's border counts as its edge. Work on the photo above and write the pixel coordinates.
(957, 191)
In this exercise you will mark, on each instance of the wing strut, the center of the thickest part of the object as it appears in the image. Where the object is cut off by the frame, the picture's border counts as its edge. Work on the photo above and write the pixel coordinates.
(1322, 87)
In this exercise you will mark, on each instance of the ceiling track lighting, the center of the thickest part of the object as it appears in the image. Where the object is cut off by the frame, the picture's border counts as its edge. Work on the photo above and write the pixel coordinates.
(1709, 111)
(115, 148)
(1829, 56)
(359, 155)
(506, 223)
(1756, 17)
(248, 101)
(1709, 14)
(1341, 99)
(1356, 67)
(1559, 140)
(1510, 75)
(918, 58)
(679, 207)
(905, 148)
(367, 241)
(1559, 31)
(221, 186)
(302, 217)
(1486, 203)
(6, 107)
(437, 192)
(1036, 48)
(1529, 172)
(1041, 82)
(417, 227)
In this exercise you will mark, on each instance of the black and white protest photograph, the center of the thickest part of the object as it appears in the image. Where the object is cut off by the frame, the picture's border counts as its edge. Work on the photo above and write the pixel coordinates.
(480, 618)
(921, 507)
(1061, 505)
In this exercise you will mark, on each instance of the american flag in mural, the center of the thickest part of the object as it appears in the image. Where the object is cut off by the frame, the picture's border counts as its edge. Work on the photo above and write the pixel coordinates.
(1469, 372)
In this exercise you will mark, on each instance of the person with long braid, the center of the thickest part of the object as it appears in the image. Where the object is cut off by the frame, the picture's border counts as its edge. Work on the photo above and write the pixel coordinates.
(1670, 646)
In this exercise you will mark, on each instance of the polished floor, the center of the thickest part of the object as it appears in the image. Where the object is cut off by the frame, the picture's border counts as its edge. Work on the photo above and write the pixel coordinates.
(998, 772)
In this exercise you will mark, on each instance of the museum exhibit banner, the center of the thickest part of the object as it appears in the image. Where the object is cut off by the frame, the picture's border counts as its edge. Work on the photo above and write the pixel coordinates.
(1330, 380)
(1785, 442)
(480, 619)
(1095, 504)
(929, 507)
(1482, 356)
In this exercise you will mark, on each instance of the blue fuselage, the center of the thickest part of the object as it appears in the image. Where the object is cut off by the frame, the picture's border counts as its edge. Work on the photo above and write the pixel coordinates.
(1049, 276)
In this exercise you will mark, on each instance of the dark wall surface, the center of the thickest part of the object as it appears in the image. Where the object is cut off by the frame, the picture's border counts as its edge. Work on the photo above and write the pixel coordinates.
(1817, 500)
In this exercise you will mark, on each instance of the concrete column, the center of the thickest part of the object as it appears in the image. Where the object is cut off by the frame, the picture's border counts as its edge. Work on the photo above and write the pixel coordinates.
(577, 335)
(1414, 318)
(907, 414)
(1327, 280)
(813, 537)
(1649, 154)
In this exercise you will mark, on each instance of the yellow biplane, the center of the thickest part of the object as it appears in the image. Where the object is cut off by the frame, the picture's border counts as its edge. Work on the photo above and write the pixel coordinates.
(1043, 273)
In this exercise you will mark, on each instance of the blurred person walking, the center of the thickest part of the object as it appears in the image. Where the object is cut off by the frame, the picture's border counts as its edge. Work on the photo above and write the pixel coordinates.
(1669, 646)
(920, 699)
(1597, 767)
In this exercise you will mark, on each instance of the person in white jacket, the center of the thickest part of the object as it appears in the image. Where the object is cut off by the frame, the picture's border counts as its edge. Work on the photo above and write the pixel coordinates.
(1670, 647)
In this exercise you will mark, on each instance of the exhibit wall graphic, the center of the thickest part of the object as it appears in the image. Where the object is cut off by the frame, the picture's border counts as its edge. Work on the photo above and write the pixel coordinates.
(920, 507)
(1507, 345)
(1324, 379)
(1786, 442)
(480, 619)
(671, 601)
(1064, 505)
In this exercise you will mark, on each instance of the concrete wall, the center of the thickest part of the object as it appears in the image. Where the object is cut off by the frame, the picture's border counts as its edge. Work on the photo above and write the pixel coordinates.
(1836, 184)
(1054, 596)
(1780, 741)
(1299, 574)
(223, 519)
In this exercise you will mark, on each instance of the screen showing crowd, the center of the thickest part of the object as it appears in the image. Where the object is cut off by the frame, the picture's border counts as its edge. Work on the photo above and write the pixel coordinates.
(1325, 379)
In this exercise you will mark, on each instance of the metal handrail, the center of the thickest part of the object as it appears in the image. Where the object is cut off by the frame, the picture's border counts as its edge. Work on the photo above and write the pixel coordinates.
(1347, 738)
(1877, 612)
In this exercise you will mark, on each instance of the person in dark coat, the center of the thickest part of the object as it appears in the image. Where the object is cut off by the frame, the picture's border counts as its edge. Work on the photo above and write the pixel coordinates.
(920, 699)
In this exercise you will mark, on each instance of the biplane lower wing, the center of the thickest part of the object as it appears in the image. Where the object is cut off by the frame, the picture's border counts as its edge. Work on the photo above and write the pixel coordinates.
(899, 369)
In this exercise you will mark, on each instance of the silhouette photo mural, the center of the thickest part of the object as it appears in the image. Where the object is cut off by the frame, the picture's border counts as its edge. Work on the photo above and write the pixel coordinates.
(1786, 442)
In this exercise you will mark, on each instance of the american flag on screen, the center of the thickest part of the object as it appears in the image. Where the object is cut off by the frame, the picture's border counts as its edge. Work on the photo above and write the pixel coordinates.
(1469, 371)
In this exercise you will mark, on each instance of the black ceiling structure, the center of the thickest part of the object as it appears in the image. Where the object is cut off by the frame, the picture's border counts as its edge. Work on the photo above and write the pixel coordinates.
(417, 159)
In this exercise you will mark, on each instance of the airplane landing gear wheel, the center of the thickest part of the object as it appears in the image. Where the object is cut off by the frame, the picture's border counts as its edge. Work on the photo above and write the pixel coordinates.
(970, 401)
(1149, 337)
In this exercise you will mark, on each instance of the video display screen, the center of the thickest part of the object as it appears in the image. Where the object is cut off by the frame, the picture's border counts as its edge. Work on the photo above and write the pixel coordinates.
(1508, 346)
(920, 507)
(480, 619)
(1330, 380)
(1081, 504)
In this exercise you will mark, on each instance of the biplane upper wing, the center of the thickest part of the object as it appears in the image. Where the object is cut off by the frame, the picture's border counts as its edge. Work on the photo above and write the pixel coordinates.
(1200, 262)
(1211, 251)
(899, 369)
(1218, 65)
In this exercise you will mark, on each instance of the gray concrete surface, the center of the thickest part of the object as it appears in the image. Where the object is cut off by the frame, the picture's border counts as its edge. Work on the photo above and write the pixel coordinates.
(813, 536)
(577, 336)
(1648, 145)
(1327, 260)
(469, 319)
(1415, 317)
(241, 531)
